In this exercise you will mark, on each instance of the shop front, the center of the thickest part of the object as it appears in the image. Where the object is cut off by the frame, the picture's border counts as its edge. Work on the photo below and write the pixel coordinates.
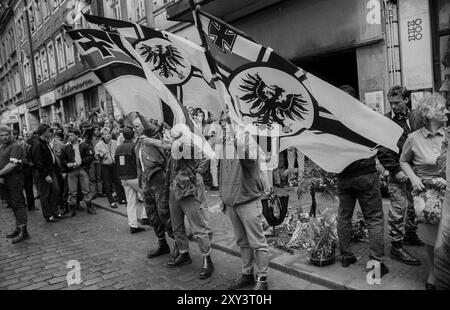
(47, 101)
(32, 114)
(11, 118)
(78, 97)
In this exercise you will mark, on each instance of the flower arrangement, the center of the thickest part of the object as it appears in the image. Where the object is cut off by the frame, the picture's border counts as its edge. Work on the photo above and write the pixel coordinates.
(317, 236)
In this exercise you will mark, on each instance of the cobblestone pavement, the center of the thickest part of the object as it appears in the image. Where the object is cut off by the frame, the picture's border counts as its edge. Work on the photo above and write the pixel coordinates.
(110, 258)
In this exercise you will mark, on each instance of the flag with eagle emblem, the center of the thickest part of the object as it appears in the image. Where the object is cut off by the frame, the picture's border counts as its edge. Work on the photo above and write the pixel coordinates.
(267, 91)
(121, 74)
(179, 63)
(135, 88)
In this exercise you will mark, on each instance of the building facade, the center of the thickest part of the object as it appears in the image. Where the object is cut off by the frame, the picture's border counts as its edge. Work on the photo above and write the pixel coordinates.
(11, 87)
(368, 44)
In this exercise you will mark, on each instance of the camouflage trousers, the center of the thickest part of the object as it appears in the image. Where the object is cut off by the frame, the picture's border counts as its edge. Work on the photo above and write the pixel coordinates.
(157, 205)
(401, 216)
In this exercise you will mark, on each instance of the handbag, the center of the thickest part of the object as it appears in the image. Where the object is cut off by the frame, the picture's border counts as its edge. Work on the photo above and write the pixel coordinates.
(428, 203)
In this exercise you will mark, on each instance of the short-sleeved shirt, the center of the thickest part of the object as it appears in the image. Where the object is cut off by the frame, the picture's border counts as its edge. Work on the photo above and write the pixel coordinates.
(421, 150)
(12, 152)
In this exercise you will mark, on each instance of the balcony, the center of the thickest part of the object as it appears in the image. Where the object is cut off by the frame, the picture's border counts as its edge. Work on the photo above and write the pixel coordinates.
(228, 10)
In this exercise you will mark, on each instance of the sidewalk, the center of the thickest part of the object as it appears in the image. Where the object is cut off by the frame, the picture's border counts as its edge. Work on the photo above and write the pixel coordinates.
(401, 277)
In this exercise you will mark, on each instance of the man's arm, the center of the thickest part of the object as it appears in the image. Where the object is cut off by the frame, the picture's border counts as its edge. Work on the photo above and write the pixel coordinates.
(162, 144)
(7, 169)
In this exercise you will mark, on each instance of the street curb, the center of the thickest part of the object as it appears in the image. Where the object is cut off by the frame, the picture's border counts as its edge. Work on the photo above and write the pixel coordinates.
(288, 270)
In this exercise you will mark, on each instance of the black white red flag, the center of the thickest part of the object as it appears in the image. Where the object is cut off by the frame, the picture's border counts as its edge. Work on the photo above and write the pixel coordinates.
(267, 91)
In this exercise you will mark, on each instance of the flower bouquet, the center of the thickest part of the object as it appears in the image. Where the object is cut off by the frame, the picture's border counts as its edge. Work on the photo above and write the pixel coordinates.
(318, 237)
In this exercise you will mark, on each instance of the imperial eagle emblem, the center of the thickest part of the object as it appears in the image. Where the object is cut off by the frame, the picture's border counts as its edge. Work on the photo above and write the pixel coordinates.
(270, 103)
(166, 60)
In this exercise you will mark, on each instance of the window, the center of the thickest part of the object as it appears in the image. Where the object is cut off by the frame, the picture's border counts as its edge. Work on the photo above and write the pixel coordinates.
(116, 9)
(44, 64)
(141, 9)
(60, 53)
(54, 5)
(20, 30)
(136, 10)
(51, 58)
(17, 81)
(27, 74)
(31, 18)
(37, 14)
(37, 68)
(68, 46)
(45, 9)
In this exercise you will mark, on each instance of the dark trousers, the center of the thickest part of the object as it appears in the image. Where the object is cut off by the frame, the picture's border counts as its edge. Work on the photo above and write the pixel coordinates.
(95, 177)
(365, 189)
(110, 179)
(28, 186)
(156, 204)
(49, 195)
(14, 196)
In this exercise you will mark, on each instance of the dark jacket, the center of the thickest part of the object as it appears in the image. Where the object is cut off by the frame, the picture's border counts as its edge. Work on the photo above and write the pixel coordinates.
(42, 158)
(153, 160)
(68, 156)
(390, 159)
(359, 168)
(125, 159)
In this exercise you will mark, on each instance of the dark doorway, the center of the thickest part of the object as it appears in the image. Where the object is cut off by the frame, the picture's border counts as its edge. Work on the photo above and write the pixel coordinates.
(338, 69)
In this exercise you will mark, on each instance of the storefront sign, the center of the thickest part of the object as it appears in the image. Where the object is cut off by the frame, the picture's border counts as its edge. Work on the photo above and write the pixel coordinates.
(47, 98)
(415, 43)
(78, 85)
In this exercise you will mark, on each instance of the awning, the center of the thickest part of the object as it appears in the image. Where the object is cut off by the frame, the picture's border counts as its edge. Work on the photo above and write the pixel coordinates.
(228, 10)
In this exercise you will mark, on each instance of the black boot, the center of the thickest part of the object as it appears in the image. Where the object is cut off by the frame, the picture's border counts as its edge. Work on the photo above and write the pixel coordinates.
(90, 209)
(244, 281)
(261, 284)
(22, 236)
(413, 240)
(182, 259)
(207, 268)
(347, 261)
(13, 234)
(73, 211)
(400, 254)
(163, 248)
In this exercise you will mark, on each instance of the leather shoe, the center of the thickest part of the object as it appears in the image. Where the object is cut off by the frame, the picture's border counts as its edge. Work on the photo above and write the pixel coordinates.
(244, 281)
(430, 287)
(13, 234)
(162, 249)
(51, 219)
(347, 261)
(33, 208)
(114, 205)
(90, 209)
(182, 259)
(401, 255)
(134, 230)
(413, 240)
(22, 236)
(207, 268)
(60, 217)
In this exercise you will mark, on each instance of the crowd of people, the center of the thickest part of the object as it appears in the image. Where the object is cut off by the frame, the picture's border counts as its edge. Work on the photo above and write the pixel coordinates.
(138, 159)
